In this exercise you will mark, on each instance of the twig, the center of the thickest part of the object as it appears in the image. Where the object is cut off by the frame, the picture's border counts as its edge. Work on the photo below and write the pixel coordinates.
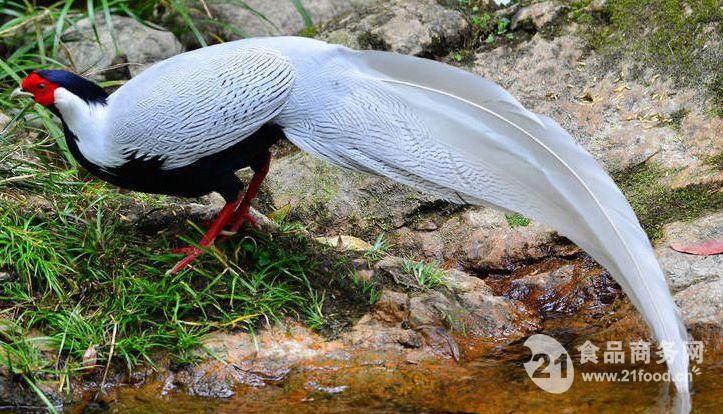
(110, 357)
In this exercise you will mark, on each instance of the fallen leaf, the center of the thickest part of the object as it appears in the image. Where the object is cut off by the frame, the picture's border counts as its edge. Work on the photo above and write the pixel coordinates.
(90, 357)
(708, 248)
(280, 214)
(587, 97)
(346, 243)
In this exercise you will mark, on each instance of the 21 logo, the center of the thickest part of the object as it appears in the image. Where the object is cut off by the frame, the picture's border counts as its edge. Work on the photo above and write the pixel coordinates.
(550, 367)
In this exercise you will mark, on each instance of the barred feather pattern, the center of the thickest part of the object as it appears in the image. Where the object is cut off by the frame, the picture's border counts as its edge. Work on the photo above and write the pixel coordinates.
(200, 103)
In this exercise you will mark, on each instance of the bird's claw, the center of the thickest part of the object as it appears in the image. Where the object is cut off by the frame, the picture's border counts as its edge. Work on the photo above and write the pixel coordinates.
(191, 253)
(183, 250)
(244, 218)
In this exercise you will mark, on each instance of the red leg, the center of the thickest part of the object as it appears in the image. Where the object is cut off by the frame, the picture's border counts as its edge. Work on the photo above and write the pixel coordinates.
(223, 218)
(242, 213)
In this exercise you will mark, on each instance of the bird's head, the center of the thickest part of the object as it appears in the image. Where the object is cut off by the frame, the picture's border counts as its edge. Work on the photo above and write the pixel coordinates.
(45, 85)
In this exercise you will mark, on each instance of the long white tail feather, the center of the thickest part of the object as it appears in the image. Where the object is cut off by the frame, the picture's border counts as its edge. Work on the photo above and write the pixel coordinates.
(547, 176)
(456, 135)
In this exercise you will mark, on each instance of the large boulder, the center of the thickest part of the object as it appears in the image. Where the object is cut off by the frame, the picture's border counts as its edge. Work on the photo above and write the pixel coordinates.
(622, 118)
(138, 47)
(415, 27)
(278, 17)
(333, 200)
(537, 16)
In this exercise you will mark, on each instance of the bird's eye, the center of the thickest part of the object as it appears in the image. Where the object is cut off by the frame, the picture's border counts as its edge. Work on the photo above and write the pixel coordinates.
(41, 86)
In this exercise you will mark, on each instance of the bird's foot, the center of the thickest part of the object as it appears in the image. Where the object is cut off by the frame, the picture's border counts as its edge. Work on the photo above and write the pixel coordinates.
(244, 218)
(183, 250)
(191, 253)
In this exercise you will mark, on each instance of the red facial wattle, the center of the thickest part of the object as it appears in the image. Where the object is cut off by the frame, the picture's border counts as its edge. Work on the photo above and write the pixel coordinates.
(42, 89)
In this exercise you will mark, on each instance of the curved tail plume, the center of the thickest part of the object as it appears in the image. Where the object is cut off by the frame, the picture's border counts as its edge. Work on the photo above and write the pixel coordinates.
(493, 151)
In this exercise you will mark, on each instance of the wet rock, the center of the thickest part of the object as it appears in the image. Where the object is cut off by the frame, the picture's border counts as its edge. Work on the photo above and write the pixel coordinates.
(465, 301)
(333, 201)
(536, 16)
(281, 17)
(482, 239)
(372, 333)
(560, 287)
(416, 27)
(683, 270)
(392, 307)
(139, 46)
(14, 394)
(702, 308)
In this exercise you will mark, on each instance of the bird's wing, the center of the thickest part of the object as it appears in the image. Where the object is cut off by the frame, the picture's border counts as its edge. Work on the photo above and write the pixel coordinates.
(199, 103)
(456, 135)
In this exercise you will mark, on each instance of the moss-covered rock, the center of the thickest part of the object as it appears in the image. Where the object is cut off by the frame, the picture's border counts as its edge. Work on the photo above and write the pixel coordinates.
(657, 204)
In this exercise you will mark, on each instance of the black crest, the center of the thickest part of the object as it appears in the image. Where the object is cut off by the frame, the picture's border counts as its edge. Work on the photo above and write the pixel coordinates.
(81, 87)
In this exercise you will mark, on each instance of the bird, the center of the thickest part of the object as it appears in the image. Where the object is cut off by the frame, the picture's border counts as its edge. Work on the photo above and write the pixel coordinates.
(185, 125)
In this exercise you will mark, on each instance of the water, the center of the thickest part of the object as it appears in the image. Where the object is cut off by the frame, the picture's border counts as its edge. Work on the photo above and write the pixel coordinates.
(379, 384)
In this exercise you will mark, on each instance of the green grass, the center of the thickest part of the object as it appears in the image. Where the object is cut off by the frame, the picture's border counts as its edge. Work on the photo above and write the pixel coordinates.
(369, 288)
(427, 275)
(76, 274)
(665, 35)
(84, 277)
(380, 248)
(517, 220)
(485, 28)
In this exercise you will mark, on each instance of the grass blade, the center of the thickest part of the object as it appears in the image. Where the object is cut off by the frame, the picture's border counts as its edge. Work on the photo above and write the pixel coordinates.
(304, 13)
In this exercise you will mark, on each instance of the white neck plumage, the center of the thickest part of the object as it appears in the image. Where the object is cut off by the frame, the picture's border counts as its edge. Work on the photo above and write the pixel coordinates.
(88, 122)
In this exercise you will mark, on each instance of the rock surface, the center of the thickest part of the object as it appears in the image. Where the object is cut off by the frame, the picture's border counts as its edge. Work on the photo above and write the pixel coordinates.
(702, 308)
(139, 46)
(684, 270)
(414, 27)
(336, 201)
(4, 120)
(537, 15)
(279, 17)
(621, 120)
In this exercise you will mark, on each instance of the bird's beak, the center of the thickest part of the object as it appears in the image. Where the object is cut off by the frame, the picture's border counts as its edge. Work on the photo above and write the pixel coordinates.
(19, 93)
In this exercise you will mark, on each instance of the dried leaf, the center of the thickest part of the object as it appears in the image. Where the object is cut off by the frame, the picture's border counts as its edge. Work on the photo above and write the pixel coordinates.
(345, 242)
(708, 248)
(90, 357)
(587, 97)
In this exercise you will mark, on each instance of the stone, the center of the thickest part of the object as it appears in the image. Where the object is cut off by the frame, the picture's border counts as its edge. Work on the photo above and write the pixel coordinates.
(332, 200)
(480, 238)
(4, 120)
(139, 46)
(597, 6)
(537, 15)
(345, 242)
(702, 309)
(621, 118)
(683, 270)
(415, 27)
(392, 307)
(280, 17)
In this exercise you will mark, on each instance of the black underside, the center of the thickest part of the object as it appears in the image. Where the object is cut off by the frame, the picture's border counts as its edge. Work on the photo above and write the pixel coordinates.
(211, 173)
